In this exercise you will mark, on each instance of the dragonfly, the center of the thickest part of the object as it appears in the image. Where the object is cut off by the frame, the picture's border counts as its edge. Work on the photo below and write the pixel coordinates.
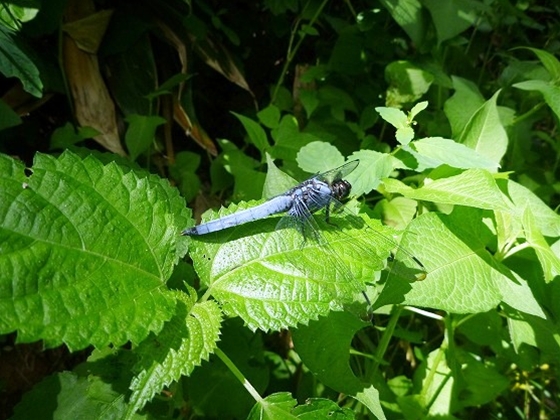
(322, 191)
(300, 202)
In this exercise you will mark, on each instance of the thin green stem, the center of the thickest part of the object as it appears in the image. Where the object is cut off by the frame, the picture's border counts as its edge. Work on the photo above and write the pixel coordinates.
(386, 337)
(237, 373)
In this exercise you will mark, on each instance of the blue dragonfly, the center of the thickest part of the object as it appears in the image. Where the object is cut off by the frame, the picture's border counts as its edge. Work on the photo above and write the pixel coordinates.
(320, 192)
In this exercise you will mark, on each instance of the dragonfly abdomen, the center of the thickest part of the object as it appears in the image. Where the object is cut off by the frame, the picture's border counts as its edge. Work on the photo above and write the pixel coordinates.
(275, 205)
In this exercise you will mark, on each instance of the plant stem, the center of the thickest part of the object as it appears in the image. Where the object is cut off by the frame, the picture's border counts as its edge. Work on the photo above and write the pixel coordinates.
(290, 55)
(237, 373)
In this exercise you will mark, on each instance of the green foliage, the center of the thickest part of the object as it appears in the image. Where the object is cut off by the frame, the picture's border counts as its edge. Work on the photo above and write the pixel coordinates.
(451, 109)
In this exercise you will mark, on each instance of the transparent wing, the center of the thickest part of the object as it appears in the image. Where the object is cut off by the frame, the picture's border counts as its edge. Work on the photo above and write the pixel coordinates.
(353, 250)
(338, 173)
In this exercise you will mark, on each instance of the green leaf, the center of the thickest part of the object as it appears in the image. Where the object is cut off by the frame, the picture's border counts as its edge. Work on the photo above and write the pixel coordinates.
(276, 182)
(87, 250)
(8, 118)
(431, 152)
(13, 16)
(184, 342)
(66, 136)
(452, 17)
(416, 109)
(269, 116)
(550, 92)
(393, 116)
(546, 219)
(407, 83)
(332, 367)
(319, 156)
(409, 16)
(256, 133)
(276, 406)
(321, 408)
(459, 108)
(482, 382)
(537, 332)
(14, 62)
(66, 395)
(274, 279)
(288, 139)
(473, 187)
(141, 133)
(485, 133)
(549, 261)
(549, 61)
(183, 172)
(373, 167)
(248, 181)
(459, 279)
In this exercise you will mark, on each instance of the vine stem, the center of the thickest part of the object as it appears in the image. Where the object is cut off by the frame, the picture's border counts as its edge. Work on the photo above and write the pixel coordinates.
(292, 50)
(237, 373)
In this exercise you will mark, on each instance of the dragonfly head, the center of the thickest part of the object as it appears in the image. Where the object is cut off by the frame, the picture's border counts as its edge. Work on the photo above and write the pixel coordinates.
(341, 189)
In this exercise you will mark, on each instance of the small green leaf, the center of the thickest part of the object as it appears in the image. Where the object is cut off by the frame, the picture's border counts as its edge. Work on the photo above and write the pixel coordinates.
(68, 135)
(87, 250)
(309, 30)
(416, 109)
(14, 62)
(269, 116)
(546, 219)
(464, 103)
(373, 167)
(141, 132)
(8, 118)
(549, 261)
(393, 116)
(409, 15)
(550, 92)
(549, 61)
(319, 156)
(452, 17)
(183, 172)
(66, 395)
(321, 408)
(276, 406)
(407, 83)
(255, 132)
(276, 182)
(485, 133)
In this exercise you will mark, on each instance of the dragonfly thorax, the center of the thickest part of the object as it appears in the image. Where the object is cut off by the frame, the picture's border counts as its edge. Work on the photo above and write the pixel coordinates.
(341, 189)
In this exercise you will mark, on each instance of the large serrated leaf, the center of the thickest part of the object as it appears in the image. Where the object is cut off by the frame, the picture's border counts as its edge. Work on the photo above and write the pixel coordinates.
(86, 251)
(273, 279)
(185, 341)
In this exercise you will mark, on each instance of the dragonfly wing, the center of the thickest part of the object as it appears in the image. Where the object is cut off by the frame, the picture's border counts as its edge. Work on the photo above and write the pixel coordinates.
(335, 258)
(338, 173)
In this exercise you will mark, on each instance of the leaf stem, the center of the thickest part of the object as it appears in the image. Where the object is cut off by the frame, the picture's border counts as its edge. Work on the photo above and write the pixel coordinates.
(386, 337)
(237, 373)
